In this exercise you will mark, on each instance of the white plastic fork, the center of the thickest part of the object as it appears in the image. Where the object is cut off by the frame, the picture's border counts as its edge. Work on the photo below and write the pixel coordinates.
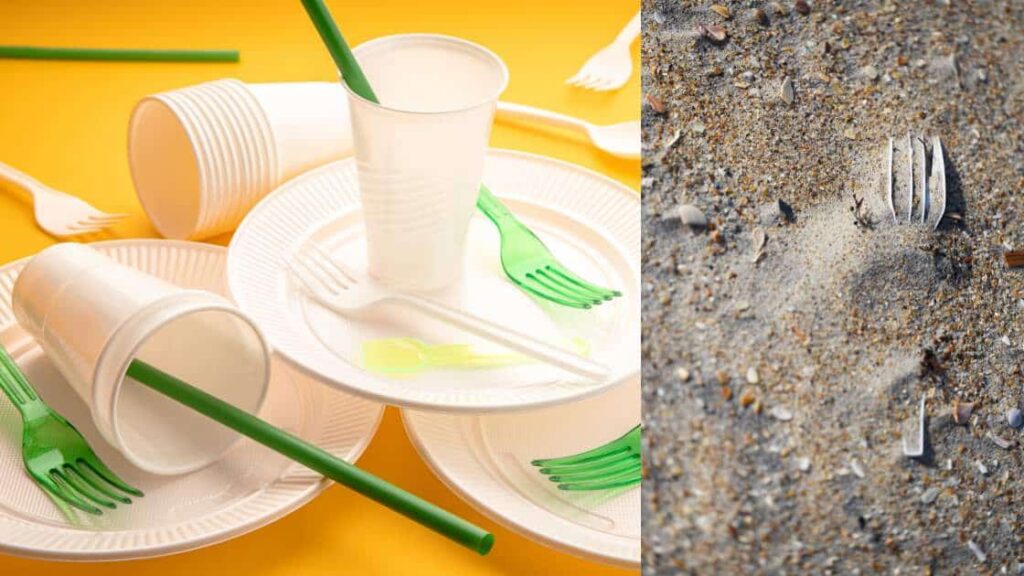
(930, 191)
(57, 213)
(348, 293)
(622, 139)
(611, 67)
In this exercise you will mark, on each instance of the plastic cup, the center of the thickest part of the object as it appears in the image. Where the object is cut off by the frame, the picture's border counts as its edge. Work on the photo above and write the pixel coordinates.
(420, 152)
(202, 156)
(93, 316)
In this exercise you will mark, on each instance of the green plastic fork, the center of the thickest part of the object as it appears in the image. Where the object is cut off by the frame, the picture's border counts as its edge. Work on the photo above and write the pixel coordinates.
(56, 455)
(526, 260)
(529, 263)
(616, 464)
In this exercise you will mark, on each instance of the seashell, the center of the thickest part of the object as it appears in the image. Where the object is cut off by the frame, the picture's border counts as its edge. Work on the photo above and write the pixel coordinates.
(722, 11)
(786, 92)
(689, 215)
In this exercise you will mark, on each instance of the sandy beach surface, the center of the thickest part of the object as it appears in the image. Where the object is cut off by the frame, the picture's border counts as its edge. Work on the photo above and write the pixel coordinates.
(789, 342)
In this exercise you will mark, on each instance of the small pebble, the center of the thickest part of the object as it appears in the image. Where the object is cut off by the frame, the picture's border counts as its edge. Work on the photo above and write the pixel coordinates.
(752, 376)
(802, 7)
(683, 374)
(978, 553)
(781, 413)
(981, 467)
(804, 464)
(655, 103)
(1000, 441)
(869, 72)
(761, 17)
(689, 215)
(747, 398)
(1015, 418)
(930, 495)
(722, 11)
(856, 468)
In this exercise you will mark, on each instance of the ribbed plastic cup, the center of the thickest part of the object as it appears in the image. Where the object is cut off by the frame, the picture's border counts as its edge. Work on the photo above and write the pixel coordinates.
(202, 156)
(93, 316)
(420, 152)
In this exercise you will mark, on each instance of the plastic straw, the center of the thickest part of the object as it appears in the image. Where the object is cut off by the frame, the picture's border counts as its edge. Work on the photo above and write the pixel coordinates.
(117, 54)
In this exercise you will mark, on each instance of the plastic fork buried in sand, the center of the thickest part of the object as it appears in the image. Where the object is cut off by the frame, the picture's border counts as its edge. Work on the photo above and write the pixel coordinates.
(57, 213)
(611, 67)
(55, 454)
(529, 263)
(348, 293)
(616, 464)
(913, 196)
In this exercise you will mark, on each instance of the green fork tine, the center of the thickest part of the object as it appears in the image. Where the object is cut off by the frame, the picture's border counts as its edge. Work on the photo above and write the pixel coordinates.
(530, 264)
(55, 454)
(613, 465)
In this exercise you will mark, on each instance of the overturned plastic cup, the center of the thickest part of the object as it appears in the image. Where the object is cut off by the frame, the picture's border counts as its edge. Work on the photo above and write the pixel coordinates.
(420, 151)
(202, 156)
(93, 316)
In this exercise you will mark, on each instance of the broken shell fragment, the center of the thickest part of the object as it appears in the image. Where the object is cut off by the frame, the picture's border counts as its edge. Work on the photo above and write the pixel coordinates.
(722, 11)
(690, 216)
(962, 412)
(787, 91)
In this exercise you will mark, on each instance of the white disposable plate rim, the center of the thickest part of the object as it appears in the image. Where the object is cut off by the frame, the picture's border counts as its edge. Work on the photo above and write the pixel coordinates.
(516, 522)
(314, 483)
(316, 222)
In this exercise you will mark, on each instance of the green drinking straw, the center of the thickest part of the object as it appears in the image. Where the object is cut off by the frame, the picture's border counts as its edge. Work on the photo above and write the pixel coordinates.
(351, 73)
(409, 505)
(117, 54)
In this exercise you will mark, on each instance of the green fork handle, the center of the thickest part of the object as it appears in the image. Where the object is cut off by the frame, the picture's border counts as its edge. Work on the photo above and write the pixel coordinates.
(325, 463)
(497, 212)
(18, 389)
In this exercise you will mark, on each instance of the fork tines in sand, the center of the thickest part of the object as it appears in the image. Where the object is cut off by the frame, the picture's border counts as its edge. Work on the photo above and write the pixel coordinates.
(915, 189)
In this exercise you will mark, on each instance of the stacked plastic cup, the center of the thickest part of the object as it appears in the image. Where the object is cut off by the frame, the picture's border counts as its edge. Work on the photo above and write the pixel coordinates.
(93, 316)
(202, 156)
(420, 152)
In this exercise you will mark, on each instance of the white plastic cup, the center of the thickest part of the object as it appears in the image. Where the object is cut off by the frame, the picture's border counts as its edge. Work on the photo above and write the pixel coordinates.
(92, 316)
(202, 156)
(420, 152)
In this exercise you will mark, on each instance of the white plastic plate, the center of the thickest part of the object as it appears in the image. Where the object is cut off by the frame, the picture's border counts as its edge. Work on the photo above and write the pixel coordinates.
(249, 487)
(486, 460)
(591, 224)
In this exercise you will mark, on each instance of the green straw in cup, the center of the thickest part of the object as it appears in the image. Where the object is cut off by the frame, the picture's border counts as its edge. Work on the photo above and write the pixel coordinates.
(117, 54)
(351, 73)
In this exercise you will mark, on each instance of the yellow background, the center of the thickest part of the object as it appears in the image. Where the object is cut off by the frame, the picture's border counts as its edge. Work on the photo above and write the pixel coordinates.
(65, 123)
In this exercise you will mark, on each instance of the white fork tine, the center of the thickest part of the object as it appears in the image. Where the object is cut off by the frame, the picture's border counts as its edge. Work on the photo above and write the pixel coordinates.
(106, 218)
(938, 182)
(888, 187)
(910, 177)
(920, 165)
(336, 269)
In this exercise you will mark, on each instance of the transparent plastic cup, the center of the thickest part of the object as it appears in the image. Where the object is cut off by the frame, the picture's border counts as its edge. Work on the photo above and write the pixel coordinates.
(420, 152)
(92, 316)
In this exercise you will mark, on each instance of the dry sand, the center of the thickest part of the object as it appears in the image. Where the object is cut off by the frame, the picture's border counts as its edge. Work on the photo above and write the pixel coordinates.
(776, 391)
